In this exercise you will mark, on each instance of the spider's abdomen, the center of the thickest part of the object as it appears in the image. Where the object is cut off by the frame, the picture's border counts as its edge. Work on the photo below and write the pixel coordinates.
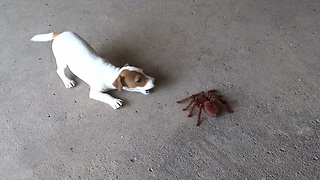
(211, 109)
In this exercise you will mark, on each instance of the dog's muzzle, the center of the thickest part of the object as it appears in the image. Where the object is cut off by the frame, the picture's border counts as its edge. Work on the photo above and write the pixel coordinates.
(148, 91)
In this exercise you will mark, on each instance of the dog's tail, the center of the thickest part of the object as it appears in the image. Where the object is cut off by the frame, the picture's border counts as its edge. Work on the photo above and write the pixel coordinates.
(44, 37)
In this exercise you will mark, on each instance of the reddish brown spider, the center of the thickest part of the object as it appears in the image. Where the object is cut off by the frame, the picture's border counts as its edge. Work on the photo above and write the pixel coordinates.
(211, 102)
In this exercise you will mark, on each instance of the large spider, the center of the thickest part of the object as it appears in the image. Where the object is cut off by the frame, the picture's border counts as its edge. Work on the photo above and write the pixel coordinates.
(211, 102)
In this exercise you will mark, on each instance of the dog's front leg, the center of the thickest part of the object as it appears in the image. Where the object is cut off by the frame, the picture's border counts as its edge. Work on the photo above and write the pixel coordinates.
(115, 103)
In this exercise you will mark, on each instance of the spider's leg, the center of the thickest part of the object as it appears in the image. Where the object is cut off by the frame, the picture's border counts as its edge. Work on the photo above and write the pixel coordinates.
(214, 95)
(188, 98)
(187, 107)
(185, 99)
(199, 114)
(211, 91)
(191, 110)
(223, 104)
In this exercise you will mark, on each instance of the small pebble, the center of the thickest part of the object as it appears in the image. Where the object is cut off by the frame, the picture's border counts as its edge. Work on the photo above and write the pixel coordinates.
(192, 12)
(150, 169)
(133, 159)
(282, 149)
(315, 158)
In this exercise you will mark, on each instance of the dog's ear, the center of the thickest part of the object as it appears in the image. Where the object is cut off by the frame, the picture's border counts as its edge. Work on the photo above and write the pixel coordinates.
(117, 83)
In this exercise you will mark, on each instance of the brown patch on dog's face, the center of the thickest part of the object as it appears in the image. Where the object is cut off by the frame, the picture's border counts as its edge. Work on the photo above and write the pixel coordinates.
(130, 79)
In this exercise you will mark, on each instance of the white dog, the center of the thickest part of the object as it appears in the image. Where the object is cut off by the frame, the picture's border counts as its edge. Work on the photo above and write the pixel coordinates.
(72, 51)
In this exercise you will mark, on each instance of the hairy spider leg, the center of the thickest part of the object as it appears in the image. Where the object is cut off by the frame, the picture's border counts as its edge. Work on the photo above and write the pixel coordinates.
(199, 114)
(187, 107)
(211, 91)
(185, 99)
(213, 94)
(188, 98)
(192, 108)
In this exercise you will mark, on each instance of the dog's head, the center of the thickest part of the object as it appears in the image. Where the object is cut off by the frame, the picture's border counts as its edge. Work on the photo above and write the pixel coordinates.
(133, 79)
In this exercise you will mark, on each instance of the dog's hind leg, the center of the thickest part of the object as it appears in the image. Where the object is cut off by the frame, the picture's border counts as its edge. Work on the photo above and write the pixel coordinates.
(61, 67)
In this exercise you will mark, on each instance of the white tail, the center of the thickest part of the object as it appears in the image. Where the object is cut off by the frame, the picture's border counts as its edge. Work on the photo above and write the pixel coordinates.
(43, 37)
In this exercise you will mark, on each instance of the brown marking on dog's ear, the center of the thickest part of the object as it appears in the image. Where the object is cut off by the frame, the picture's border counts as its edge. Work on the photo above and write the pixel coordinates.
(130, 79)
(55, 34)
(118, 84)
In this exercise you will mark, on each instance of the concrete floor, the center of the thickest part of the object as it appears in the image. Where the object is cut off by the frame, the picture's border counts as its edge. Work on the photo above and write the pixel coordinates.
(263, 56)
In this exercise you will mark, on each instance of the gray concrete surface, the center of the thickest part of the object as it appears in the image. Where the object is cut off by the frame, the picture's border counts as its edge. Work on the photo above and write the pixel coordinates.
(263, 56)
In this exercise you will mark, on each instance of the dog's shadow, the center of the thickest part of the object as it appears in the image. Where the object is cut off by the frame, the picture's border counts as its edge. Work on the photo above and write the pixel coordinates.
(119, 55)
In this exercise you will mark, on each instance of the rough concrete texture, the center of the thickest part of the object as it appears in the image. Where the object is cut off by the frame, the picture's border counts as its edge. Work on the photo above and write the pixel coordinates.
(263, 56)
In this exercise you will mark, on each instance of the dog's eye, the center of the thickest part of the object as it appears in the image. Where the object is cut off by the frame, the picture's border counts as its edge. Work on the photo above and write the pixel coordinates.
(139, 80)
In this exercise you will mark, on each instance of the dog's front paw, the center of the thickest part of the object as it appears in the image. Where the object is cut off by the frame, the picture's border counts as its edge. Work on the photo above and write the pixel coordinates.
(69, 84)
(116, 103)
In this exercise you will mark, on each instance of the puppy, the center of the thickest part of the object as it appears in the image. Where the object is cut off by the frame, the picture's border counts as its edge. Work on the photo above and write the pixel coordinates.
(70, 50)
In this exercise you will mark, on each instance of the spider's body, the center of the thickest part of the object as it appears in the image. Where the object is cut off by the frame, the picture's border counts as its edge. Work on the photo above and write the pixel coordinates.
(210, 102)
